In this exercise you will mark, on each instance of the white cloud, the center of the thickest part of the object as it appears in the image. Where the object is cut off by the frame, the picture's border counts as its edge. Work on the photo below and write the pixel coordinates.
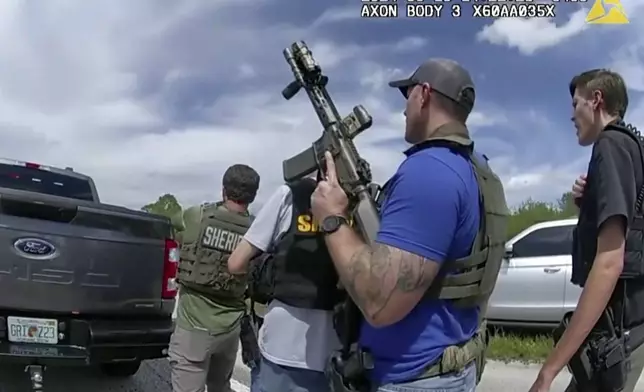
(246, 71)
(99, 87)
(337, 14)
(116, 92)
(331, 54)
(542, 182)
(627, 57)
(624, 53)
(486, 119)
(532, 35)
(409, 44)
(628, 62)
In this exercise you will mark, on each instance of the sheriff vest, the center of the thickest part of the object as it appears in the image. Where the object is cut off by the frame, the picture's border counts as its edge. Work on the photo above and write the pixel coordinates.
(220, 239)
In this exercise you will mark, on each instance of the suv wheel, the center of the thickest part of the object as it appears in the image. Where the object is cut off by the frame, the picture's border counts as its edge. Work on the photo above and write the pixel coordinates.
(120, 369)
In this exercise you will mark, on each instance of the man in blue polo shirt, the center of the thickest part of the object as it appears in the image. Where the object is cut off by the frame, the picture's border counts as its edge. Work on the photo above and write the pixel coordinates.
(430, 215)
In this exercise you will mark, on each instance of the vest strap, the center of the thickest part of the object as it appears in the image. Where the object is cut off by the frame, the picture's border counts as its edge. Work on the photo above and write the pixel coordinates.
(456, 358)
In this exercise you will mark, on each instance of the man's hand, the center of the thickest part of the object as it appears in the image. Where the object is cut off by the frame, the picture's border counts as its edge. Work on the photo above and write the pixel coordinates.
(329, 198)
(578, 188)
(542, 383)
(600, 284)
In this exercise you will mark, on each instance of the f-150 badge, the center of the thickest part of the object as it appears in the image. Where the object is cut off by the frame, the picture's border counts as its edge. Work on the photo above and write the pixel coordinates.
(35, 248)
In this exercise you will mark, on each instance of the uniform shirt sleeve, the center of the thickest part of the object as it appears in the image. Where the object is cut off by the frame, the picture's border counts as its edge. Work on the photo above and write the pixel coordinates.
(613, 179)
(268, 221)
(420, 214)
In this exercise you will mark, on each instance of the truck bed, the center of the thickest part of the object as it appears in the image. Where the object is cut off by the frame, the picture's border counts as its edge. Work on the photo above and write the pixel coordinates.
(62, 255)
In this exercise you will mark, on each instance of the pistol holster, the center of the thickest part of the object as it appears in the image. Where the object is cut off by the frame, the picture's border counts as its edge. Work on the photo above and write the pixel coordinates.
(348, 372)
(250, 349)
(601, 363)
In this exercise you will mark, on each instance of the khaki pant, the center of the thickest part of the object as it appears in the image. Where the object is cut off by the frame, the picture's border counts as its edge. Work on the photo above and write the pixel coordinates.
(637, 365)
(199, 359)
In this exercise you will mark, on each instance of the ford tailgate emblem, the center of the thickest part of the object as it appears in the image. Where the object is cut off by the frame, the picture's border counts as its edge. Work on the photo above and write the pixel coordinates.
(35, 248)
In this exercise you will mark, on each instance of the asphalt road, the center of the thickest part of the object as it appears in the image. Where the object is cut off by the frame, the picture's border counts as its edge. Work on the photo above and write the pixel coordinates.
(154, 376)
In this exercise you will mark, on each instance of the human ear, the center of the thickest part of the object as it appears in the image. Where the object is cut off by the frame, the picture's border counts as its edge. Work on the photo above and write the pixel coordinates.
(597, 98)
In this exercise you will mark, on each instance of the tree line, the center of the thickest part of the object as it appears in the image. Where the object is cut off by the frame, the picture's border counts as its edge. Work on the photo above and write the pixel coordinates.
(525, 215)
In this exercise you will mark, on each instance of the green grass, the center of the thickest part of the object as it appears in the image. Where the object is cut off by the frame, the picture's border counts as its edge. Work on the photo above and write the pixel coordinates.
(528, 347)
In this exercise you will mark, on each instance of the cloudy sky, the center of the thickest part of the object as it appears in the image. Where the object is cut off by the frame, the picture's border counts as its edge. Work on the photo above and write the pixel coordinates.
(157, 96)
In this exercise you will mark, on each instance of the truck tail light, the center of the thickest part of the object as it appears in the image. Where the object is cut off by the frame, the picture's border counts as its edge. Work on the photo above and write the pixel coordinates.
(170, 265)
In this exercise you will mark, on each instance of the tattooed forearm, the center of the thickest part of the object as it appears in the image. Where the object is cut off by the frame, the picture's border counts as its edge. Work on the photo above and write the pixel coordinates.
(375, 273)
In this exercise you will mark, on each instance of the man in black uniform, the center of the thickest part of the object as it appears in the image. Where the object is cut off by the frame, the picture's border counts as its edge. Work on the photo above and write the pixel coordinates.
(606, 328)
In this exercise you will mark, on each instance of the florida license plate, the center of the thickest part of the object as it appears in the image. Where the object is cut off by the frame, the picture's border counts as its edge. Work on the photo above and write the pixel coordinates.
(32, 330)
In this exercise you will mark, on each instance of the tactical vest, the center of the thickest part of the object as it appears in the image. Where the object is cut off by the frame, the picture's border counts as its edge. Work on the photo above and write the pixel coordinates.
(303, 272)
(584, 253)
(469, 281)
(204, 253)
(466, 282)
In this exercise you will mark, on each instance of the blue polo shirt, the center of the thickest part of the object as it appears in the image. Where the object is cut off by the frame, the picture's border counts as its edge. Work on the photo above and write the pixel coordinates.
(431, 210)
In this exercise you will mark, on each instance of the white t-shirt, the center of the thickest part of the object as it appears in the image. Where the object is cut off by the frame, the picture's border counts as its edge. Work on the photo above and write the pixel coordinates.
(290, 336)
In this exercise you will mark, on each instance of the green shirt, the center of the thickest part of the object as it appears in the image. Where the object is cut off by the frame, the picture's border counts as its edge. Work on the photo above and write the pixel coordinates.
(197, 310)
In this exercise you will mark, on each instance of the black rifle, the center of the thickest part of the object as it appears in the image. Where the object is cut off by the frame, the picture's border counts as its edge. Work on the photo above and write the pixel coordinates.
(346, 368)
(354, 173)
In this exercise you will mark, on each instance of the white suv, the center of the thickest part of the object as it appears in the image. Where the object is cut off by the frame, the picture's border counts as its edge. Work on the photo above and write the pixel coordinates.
(533, 288)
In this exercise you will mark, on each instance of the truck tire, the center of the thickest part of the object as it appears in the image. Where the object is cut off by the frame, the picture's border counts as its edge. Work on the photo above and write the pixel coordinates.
(120, 369)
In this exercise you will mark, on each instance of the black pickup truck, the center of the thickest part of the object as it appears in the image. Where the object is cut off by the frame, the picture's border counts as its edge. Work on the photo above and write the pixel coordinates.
(81, 283)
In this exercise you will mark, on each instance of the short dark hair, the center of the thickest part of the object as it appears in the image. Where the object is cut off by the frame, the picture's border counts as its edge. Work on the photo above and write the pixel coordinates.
(240, 184)
(454, 109)
(610, 83)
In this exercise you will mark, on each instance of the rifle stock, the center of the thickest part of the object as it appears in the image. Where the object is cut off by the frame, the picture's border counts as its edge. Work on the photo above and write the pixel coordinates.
(354, 173)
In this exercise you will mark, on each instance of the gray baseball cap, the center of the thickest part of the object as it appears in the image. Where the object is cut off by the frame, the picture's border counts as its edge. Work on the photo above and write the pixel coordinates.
(447, 77)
